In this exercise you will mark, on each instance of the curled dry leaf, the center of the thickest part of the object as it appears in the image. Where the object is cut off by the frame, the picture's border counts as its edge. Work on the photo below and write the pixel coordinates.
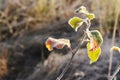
(57, 43)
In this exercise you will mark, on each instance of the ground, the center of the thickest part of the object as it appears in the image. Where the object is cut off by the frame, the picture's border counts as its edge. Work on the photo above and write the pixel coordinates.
(28, 59)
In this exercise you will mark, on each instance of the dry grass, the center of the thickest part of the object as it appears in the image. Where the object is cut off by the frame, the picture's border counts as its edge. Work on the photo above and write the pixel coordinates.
(3, 67)
(3, 62)
(5, 53)
(106, 12)
(17, 16)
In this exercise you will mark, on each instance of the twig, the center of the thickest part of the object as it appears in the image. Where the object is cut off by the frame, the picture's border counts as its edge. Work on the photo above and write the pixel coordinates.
(113, 40)
(115, 73)
(69, 62)
(88, 24)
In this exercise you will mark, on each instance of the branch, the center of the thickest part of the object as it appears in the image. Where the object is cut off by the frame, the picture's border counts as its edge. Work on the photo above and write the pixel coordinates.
(115, 73)
(73, 54)
(113, 40)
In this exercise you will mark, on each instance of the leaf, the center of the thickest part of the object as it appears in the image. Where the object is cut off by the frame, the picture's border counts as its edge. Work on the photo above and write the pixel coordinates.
(93, 45)
(93, 54)
(56, 43)
(83, 10)
(115, 48)
(91, 16)
(95, 36)
(75, 22)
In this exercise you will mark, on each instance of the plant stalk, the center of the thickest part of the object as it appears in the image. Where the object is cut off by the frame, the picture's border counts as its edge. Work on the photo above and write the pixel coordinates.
(69, 62)
(113, 41)
(115, 73)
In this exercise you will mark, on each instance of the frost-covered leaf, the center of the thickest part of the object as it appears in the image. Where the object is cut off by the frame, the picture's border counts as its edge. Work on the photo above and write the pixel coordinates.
(83, 10)
(57, 43)
(75, 22)
(93, 54)
(93, 47)
(91, 16)
(95, 37)
(115, 48)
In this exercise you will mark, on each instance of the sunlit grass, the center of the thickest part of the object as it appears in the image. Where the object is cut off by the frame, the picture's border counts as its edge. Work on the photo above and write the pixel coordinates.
(33, 12)
(106, 12)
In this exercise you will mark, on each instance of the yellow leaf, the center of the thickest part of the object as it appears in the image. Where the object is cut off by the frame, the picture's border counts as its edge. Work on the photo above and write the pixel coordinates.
(49, 44)
(83, 10)
(93, 54)
(75, 22)
(115, 48)
(91, 16)
(56, 43)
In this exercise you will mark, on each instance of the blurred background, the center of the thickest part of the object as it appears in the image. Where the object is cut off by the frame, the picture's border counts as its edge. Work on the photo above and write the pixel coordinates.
(26, 24)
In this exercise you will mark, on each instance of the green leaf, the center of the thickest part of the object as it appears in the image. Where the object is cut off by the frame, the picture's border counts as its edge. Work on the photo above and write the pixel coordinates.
(96, 35)
(93, 54)
(90, 16)
(75, 22)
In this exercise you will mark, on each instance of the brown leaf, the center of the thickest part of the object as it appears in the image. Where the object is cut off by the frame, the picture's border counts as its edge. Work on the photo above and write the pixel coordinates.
(57, 43)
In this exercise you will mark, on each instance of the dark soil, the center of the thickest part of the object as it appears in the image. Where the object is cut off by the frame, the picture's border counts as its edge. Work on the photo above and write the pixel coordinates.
(28, 58)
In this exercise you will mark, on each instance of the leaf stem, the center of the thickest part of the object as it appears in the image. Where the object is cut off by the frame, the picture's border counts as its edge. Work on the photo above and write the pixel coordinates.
(73, 54)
